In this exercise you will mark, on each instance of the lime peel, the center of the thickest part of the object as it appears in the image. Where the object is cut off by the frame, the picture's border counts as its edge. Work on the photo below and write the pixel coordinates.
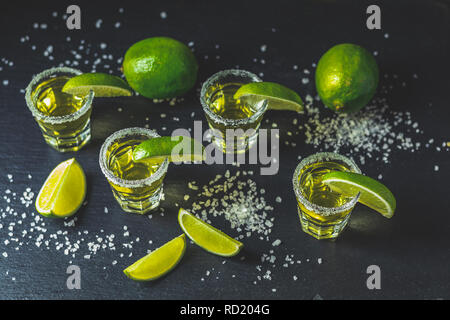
(58, 199)
(207, 237)
(176, 149)
(103, 85)
(346, 77)
(373, 193)
(278, 96)
(160, 68)
(158, 262)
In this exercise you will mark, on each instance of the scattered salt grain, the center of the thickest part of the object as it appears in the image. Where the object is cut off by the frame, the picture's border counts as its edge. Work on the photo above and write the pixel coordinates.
(276, 243)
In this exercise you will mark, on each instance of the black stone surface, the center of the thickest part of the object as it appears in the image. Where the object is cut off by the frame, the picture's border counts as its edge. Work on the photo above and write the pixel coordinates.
(411, 249)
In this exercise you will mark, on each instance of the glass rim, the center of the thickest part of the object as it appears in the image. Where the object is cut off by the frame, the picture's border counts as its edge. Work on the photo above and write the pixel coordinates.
(111, 177)
(38, 78)
(321, 210)
(220, 119)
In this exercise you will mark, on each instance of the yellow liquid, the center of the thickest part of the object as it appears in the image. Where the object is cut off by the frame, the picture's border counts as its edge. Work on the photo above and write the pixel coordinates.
(221, 102)
(316, 192)
(122, 165)
(52, 102)
(120, 162)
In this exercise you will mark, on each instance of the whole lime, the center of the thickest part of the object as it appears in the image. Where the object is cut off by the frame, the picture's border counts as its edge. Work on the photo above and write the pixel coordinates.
(160, 68)
(346, 77)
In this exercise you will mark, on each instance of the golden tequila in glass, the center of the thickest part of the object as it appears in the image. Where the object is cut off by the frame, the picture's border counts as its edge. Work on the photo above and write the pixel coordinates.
(64, 119)
(323, 213)
(136, 185)
(234, 122)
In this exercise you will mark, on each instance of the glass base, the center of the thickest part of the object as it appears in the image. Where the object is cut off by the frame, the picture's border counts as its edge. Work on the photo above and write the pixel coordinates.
(71, 142)
(140, 206)
(321, 229)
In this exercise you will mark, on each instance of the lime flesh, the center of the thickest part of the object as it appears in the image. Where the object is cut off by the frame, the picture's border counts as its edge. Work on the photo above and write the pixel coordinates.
(158, 262)
(278, 96)
(208, 237)
(373, 193)
(63, 192)
(176, 149)
(103, 85)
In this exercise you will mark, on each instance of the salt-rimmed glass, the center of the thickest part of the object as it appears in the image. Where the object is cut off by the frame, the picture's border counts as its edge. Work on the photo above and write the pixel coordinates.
(66, 132)
(137, 196)
(226, 133)
(319, 221)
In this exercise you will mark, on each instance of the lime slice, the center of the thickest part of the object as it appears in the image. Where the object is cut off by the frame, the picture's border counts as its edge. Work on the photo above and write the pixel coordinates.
(176, 149)
(279, 97)
(208, 237)
(158, 262)
(103, 85)
(372, 193)
(63, 192)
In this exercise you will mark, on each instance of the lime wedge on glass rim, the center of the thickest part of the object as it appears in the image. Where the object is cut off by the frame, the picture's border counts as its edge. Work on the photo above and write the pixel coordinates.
(278, 96)
(176, 149)
(158, 262)
(103, 85)
(373, 193)
(207, 237)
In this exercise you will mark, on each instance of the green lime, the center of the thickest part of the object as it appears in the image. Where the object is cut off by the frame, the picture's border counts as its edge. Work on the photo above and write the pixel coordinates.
(208, 237)
(346, 77)
(63, 192)
(160, 68)
(279, 97)
(176, 149)
(103, 85)
(158, 262)
(373, 193)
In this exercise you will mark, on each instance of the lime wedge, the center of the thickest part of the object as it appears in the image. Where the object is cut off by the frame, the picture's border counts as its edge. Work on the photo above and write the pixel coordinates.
(208, 237)
(374, 194)
(63, 192)
(176, 149)
(279, 97)
(158, 262)
(103, 85)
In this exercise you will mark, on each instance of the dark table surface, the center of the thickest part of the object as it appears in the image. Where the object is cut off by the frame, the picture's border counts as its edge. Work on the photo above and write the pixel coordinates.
(411, 249)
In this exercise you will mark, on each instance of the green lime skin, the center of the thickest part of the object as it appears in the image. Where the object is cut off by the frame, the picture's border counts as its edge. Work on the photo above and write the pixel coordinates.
(346, 77)
(160, 68)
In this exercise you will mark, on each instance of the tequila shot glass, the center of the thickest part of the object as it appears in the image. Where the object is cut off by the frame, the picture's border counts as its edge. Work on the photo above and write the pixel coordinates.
(234, 123)
(323, 213)
(137, 186)
(64, 119)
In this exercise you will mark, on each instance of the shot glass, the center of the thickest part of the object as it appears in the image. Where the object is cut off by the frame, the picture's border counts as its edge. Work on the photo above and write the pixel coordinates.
(64, 119)
(323, 213)
(137, 186)
(234, 123)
